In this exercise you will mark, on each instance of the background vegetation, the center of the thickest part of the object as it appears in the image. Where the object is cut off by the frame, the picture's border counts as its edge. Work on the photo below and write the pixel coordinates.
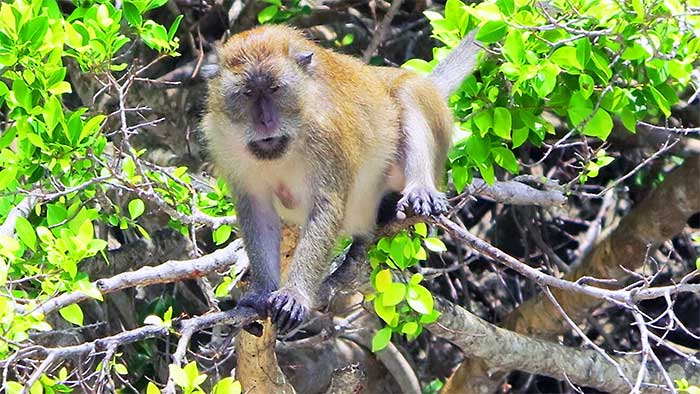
(568, 264)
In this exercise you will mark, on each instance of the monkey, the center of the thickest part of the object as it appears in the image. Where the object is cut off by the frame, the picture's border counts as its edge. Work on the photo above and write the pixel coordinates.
(316, 138)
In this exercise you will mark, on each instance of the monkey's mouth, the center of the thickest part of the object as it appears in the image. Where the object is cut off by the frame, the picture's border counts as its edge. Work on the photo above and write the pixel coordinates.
(269, 148)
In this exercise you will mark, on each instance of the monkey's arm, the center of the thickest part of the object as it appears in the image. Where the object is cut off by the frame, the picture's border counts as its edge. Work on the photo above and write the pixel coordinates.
(290, 305)
(261, 234)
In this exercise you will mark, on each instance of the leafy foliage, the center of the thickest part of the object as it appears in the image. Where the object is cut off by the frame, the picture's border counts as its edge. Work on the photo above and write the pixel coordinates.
(279, 12)
(590, 62)
(404, 305)
(48, 146)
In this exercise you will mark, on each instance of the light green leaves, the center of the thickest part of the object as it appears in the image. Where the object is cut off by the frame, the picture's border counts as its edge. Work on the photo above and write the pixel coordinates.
(381, 339)
(73, 314)
(492, 31)
(565, 57)
(227, 386)
(419, 299)
(187, 377)
(136, 208)
(403, 304)
(434, 244)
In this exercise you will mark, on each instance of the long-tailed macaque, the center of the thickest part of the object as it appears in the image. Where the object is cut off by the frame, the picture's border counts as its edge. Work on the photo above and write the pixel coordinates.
(316, 138)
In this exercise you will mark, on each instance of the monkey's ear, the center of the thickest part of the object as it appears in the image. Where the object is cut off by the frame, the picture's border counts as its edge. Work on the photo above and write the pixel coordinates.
(304, 58)
(209, 71)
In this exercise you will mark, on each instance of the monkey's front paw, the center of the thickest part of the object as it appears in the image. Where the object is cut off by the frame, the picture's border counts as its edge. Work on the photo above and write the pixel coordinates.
(256, 299)
(288, 309)
(421, 201)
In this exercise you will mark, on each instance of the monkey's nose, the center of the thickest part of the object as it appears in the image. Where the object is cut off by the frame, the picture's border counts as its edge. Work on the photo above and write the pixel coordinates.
(260, 82)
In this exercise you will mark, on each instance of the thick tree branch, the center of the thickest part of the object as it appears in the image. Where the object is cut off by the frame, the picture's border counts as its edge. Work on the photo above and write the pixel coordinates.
(503, 349)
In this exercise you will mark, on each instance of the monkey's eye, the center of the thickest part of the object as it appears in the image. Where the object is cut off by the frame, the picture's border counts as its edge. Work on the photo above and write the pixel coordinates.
(248, 92)
(274, 88)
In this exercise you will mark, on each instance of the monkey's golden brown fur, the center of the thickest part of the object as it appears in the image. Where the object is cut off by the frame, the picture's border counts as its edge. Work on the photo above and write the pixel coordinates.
(317, 138)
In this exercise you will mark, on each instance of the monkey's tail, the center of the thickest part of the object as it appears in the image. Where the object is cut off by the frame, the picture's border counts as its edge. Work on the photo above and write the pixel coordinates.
(459, 63)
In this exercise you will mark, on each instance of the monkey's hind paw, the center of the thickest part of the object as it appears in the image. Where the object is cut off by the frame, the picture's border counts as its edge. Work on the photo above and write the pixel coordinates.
(287, 309)
(421, 201)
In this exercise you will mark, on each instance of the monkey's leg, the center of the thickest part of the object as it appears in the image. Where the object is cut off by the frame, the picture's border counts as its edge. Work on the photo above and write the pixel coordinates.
(418, 155)
(261, 235)
(290, 305)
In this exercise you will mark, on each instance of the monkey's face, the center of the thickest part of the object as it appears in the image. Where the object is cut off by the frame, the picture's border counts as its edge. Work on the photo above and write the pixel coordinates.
(260, 82)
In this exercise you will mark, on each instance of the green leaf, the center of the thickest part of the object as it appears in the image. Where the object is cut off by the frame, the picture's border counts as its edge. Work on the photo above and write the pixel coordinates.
(520, 136)
(635, 52)
(502, 122)
(583, 51)
(174, 27)
(386, 313)
(430, 317)
(491, 32)
(661, 101)
(505, 158)
(478, 148)
(600, 125)
(586, 84)
(267, 14)
(409, 328)
(487, 172)
(136, 208)
(95, 246)
(484, 121)
(579, 108)
(419, 299)
(120, 369)
(396, 252)
(178, 375)
(6, 176)
(383, 280)
(513, 47)
(566, 58)
(153, 4)
(132, 14)
(151, 388)
(221, 234)
(60, 87)
(419, 66)
(55, 214)
(347, 39)
(416, 279)
(227, 386)
(545, 80)
(421, 229)
(394, 294)
(507, 7)
(13, 387)
(22, 94)
(434, 244)
(73, 314)
(86, 231)
(25, 232)
(629, 120)
(381, 339)
(460, 177)
(35, 30)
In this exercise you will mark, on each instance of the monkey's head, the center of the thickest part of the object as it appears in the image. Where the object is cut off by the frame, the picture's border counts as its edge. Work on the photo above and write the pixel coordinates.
(258, 85)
